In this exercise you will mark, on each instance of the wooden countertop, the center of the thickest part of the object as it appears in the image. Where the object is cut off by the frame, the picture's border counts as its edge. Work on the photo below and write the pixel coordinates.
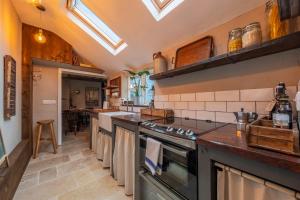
(135, 119)
(226, 138)
(91, 110)
(102, 110)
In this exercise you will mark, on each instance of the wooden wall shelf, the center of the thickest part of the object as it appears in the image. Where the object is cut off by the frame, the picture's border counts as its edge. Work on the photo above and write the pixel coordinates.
(289, 42)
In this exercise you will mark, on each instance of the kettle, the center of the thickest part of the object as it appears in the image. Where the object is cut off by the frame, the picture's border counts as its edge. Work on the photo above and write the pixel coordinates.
(159, 63)
(243, 118)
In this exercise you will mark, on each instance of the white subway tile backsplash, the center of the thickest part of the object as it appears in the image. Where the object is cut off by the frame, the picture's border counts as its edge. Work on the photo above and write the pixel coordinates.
(264, 94)
(261, 108)
(216, 106)
(188, 97)
(181, 105)
(159, 105)
(174, 97)
(230, 95)
(225, 117)
(236, 106)
(219, 105)
(205, 115)
(177, 113)
(188, 114)
(169, 105)
(205, 96)
(163, 97)
(196, 105)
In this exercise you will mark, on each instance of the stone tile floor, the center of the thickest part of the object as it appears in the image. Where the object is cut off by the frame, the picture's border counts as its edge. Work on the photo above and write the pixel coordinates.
(73, 173)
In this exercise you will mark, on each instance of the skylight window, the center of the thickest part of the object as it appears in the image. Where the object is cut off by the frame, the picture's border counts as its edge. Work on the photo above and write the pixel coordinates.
(95, 27)
(160, 8)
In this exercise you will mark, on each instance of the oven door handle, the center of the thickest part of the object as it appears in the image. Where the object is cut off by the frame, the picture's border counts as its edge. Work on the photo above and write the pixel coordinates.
(181, 153)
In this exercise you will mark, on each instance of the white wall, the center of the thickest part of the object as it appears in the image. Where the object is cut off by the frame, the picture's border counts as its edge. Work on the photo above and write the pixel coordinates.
(45, 88)
(10, 44)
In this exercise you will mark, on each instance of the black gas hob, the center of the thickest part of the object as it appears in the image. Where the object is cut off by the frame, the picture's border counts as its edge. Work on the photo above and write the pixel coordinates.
(178, 130)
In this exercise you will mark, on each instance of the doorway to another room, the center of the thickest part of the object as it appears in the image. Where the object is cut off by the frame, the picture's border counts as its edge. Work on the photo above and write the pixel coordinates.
(80, 94)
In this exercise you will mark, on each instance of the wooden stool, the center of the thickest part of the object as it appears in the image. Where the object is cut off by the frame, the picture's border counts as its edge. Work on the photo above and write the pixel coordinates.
(38, 138)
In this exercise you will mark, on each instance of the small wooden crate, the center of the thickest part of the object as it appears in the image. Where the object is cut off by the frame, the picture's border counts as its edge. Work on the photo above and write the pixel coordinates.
(146, 111)
(165, 113)
(262, 134)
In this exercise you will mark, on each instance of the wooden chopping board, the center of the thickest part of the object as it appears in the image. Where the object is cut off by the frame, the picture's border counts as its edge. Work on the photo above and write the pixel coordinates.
(194, 52)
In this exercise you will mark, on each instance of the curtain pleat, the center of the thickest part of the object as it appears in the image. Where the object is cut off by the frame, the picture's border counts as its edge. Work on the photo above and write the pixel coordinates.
(221, 176)
(119, 157)
(123, 159)
(100, 146)
(94, 134)
(107, 151)
(129, 162)
(235, 186)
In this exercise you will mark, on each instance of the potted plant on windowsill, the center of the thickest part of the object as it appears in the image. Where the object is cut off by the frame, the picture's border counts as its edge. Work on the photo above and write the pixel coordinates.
(139, 84)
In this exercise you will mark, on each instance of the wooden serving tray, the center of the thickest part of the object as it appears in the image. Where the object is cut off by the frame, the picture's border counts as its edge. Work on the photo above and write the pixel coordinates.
(194, 52)
(165, 113)
(262, 134)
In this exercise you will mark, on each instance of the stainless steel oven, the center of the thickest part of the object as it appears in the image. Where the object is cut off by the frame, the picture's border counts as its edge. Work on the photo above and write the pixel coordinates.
(179, 168)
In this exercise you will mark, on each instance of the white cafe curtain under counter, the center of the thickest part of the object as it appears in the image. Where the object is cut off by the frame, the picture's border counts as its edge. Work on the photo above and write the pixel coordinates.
(123, 159)
(94, 133)
(233, 184)
(104, 149)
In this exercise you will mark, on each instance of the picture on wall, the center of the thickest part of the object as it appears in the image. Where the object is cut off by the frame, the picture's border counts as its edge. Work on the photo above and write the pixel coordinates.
(91, 97)
(9, 87)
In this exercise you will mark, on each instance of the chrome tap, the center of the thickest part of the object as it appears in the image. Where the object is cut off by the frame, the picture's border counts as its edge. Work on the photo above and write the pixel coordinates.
(129, 103)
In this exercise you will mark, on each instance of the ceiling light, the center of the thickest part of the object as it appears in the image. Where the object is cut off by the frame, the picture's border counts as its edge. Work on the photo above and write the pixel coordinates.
(160, 8)
(40, 37)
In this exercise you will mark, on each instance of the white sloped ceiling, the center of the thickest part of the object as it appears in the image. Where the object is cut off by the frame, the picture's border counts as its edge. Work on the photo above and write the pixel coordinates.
(131, 20)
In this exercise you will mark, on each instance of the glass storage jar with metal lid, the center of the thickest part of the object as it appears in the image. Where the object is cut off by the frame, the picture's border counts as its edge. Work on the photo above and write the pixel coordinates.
(276, 28)
(235, 40)
(252, 35)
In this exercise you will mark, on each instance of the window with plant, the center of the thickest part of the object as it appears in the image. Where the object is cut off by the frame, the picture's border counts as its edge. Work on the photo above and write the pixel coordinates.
(140, 87)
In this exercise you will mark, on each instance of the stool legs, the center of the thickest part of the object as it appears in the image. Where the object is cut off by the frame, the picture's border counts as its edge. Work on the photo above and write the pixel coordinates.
(38, 137)
(53, 138)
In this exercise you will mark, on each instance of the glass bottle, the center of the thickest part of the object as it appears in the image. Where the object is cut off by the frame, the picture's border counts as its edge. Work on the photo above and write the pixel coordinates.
(252, 35)
(276, 28)
(235, 40)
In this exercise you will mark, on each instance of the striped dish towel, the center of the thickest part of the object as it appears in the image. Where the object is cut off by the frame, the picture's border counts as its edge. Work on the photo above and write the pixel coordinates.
(154, 156)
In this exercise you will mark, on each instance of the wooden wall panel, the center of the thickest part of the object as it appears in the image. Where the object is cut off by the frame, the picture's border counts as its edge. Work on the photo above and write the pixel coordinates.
(55, 49)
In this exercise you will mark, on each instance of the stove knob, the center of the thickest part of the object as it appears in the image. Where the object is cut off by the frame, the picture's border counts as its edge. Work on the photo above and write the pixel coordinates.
(145, 123)
(180, 131)
(152, 125)
(189, 132)
(170, 129)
